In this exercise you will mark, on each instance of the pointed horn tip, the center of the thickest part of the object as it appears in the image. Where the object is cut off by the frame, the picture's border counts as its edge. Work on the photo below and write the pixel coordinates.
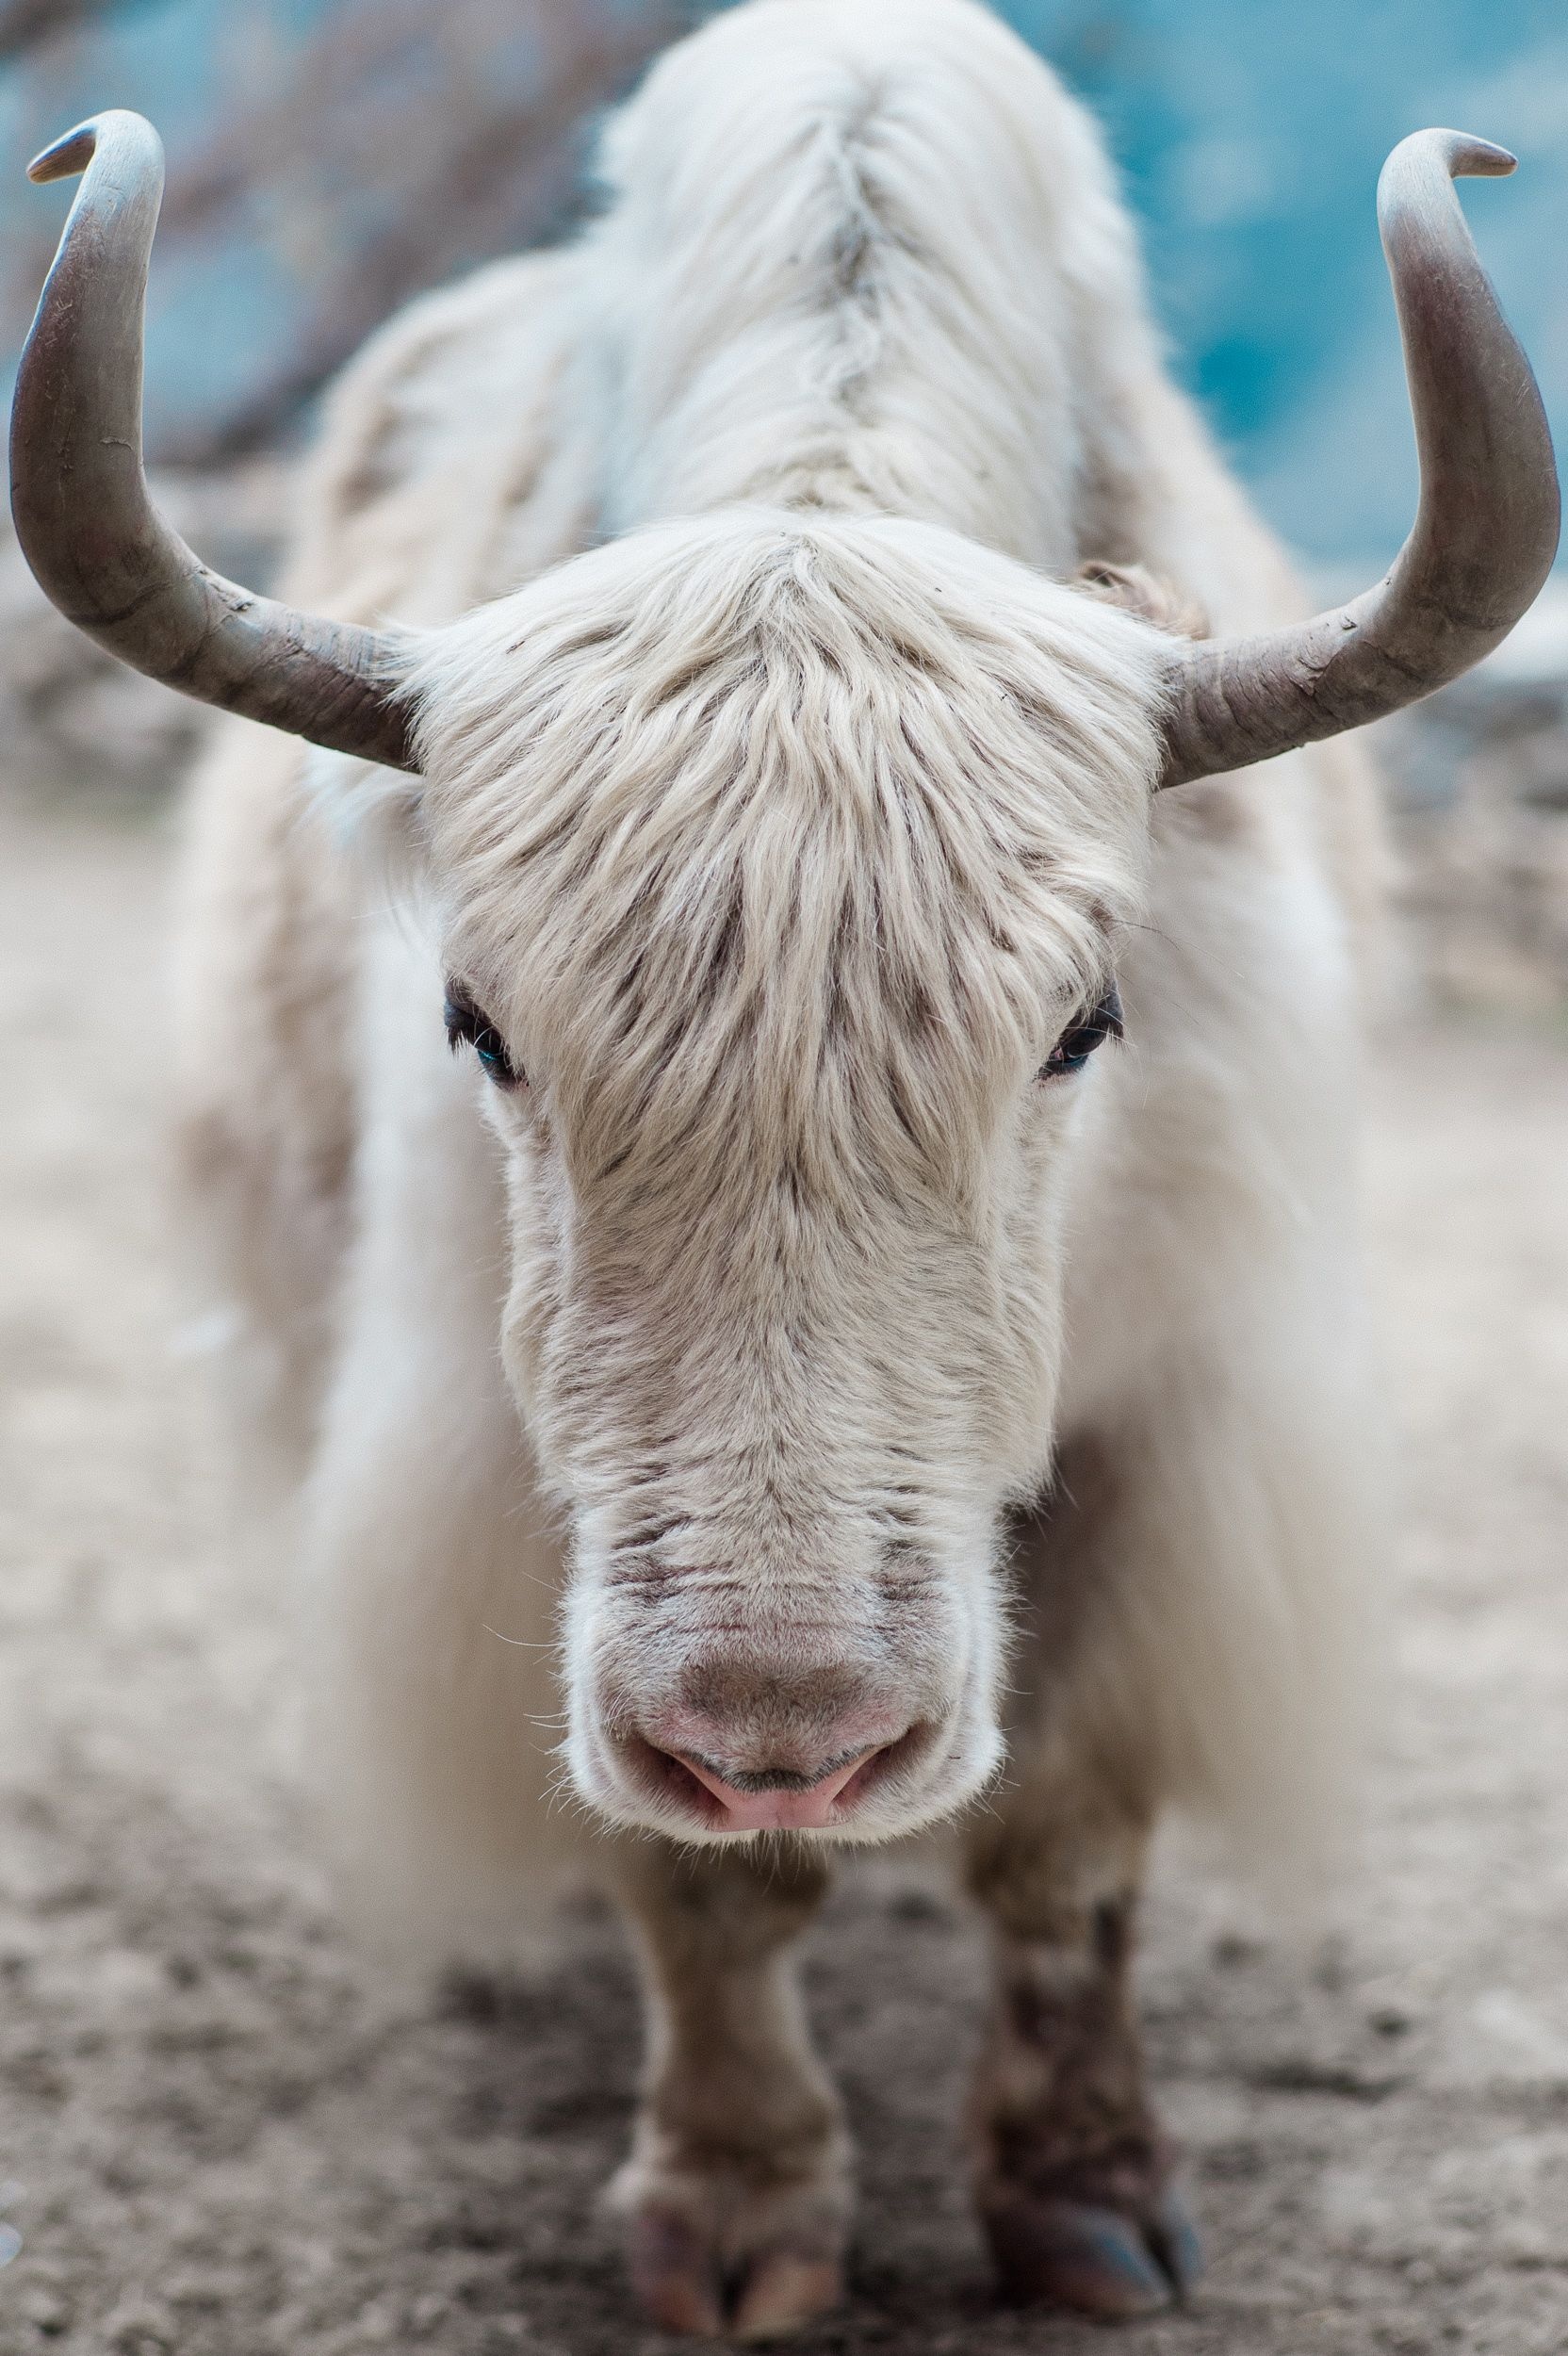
(1460, 156)
(1482, 159)
(65, 158)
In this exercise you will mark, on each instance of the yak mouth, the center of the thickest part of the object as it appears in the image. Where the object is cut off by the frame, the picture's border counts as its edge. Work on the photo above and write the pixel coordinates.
(702, 1789)
(881, 1794)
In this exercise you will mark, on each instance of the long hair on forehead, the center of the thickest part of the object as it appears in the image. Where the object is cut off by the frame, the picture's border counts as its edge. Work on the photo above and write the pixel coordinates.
(786, 842)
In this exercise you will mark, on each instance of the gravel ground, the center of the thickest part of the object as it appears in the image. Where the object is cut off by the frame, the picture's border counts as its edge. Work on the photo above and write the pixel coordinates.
(220, 2136)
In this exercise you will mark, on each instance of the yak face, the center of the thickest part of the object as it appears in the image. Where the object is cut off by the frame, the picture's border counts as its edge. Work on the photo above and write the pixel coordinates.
(781, 868)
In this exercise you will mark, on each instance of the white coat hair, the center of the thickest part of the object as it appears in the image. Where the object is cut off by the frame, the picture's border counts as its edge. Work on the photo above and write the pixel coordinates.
(785, 804)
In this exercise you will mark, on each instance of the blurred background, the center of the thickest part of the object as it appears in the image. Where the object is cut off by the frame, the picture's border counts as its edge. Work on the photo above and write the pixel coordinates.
(329, 158)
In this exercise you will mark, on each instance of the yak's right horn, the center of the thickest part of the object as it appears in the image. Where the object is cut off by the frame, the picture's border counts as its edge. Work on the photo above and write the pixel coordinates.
(98, 547)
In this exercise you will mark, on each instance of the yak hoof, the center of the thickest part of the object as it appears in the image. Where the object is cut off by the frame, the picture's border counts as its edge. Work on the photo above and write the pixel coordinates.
(727, 2276)
(1098, 2261)
(784, 2293)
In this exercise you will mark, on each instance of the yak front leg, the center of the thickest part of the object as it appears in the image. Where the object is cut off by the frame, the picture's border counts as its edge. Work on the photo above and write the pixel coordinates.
(737, 2195)
(1074, 2174)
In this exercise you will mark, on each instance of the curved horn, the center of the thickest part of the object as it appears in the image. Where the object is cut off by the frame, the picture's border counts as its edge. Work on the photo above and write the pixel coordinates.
(1486, 527)
(98, 547)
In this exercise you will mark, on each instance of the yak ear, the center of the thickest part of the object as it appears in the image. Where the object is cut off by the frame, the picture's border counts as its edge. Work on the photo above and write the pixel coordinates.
(1145, 594)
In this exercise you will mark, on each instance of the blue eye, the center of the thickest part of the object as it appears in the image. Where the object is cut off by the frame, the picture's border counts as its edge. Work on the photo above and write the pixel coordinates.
(1080, 1039)
(469, 1025)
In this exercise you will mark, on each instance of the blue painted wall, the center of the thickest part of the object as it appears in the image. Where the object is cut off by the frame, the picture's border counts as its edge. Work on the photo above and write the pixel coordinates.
(327, 156)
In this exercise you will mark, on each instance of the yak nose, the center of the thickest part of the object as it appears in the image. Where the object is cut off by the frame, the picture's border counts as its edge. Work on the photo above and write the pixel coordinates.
(780, 1799)
(806, 1788)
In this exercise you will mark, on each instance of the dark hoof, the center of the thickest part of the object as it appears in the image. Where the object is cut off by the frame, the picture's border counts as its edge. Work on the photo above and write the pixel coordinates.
(1098, 2261)
(1174, 2238)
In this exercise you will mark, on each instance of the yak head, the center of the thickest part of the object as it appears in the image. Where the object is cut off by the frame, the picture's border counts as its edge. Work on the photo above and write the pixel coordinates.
(780, 870)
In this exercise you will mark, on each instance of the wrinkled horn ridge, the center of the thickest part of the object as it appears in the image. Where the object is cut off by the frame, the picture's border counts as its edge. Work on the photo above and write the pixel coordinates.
(98, 547)
(1486, 527)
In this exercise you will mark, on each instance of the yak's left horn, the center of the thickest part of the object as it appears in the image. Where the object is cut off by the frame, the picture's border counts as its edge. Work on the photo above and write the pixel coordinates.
(1486, 528)
(98, 547)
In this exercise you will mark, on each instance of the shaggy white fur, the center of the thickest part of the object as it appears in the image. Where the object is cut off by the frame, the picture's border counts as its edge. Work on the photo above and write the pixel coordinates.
(779, 838)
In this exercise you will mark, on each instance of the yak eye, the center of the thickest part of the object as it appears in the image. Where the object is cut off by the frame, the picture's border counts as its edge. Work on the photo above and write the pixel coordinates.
(469, 1025)
(1080, 1039)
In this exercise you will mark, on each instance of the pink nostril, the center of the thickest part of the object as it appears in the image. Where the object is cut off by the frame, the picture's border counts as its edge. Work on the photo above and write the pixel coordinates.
(778, 1807)
(730, 1778)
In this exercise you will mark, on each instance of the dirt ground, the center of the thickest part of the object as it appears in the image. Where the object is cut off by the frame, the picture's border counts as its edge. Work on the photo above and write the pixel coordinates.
(219, 2137)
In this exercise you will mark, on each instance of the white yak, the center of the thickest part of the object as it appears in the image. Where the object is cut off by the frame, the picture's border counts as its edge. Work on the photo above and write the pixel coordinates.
(872, 1327)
